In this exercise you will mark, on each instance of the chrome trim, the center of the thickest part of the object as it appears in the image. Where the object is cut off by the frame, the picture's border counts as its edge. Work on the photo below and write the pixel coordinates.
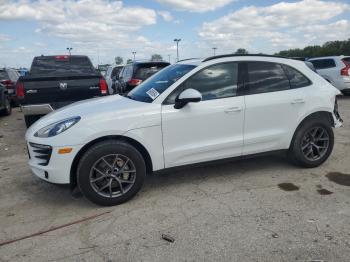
(41, 109)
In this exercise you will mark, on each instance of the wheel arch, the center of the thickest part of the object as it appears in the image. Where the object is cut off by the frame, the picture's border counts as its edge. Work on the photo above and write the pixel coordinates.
(144, 152)
(325, 115)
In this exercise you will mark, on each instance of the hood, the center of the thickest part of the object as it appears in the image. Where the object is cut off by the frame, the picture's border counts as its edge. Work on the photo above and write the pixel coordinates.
(91, 108)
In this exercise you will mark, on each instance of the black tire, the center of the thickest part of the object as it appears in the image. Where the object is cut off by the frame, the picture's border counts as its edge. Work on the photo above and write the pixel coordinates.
(7, 108)
(105, 149)
(296, 154)
(31, 119)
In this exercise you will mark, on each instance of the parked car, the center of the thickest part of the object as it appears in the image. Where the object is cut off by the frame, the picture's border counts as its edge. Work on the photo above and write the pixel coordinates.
(335, 69)
(190, 112)
(112, 75)
(56, 81)
(134, 73)
(5, 103)
(9, 77)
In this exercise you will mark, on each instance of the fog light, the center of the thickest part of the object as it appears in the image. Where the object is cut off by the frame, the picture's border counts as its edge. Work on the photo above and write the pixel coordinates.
(65, 150)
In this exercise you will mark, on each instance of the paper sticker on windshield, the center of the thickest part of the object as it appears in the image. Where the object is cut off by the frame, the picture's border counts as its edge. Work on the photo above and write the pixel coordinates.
(152, 93)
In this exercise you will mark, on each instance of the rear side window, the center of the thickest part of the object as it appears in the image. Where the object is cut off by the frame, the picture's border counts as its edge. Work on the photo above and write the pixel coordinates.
(264, 77)
(296, 78)
(144, 71)
(3, 75)
(61, 65)
(346, 59)
(323, 63)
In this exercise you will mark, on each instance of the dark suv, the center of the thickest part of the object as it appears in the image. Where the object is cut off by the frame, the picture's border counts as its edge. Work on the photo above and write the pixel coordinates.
(9, 77)
(134, 73)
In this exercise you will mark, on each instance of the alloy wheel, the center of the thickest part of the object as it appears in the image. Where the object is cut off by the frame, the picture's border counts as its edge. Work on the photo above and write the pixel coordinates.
(315, 143)
(112, 175)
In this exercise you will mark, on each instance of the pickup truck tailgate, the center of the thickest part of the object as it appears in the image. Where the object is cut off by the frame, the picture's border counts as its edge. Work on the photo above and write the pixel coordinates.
(59, 91)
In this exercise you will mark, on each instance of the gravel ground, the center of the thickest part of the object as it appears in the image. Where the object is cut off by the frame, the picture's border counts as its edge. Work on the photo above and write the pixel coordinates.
(261, 209)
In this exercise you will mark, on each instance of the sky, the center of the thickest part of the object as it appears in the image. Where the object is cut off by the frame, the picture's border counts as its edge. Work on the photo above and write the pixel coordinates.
(104, 29)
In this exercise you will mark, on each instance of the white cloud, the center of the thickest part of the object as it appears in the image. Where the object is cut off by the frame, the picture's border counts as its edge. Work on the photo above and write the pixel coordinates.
(81, 20)
(195, 5)
(282, 25)
(166, 15)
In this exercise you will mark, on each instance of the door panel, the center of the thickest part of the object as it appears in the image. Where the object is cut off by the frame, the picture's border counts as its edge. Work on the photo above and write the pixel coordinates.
(203, 131)
(273, 108)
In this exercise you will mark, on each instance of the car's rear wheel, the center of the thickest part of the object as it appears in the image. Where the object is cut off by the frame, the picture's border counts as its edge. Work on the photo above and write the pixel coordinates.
(312, 143)
(7, 107)
(111, 172)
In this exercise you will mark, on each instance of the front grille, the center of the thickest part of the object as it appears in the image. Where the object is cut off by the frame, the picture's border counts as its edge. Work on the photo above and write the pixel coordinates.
(42, 153)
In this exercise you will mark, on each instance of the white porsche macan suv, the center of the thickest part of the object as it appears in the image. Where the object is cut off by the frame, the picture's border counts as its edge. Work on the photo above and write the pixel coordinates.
(190, 112)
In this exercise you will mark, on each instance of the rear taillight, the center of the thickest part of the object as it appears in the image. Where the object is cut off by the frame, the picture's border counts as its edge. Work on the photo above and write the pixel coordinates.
(345, 71)
(61, 57)
(20, 89)
(103, 86)
(7, 82)
(134, 82)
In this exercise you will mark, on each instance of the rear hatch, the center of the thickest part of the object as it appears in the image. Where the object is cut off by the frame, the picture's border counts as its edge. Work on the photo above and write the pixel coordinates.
(145, 70)
(60, 80)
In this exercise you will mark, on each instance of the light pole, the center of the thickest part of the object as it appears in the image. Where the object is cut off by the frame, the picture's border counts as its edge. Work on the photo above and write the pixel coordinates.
(177, 40)
(169, 58)
(69, 50)
(214, 50)
(134, 53)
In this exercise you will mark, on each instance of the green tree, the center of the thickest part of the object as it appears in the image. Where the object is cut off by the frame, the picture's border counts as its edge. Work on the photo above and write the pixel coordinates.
(118, 60)
(156, 57)
(241, 51)
(330, 48)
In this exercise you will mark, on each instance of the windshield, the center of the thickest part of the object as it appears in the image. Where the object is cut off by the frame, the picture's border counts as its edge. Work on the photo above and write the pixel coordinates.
(158, 83)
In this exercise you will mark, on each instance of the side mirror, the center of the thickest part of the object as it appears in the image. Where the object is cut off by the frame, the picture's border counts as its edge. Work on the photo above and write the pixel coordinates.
(187, 96)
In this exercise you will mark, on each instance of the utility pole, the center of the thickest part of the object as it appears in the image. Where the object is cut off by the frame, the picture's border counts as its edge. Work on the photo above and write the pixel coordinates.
(177, 40)
(134, 53)
(69, 50)
(214, 50)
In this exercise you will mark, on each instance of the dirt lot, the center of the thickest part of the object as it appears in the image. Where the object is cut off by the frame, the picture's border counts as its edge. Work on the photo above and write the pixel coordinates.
(230, 212)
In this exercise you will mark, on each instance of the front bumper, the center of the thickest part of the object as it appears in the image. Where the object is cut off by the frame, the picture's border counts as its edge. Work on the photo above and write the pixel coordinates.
(58, 167)
(40, 109)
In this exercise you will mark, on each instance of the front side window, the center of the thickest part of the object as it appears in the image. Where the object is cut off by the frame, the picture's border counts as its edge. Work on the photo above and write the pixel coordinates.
(264, 77)
(296, 78)
(213, 82)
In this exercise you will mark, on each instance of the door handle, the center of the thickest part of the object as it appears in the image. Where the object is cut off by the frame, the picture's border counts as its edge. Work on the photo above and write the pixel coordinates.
(298, 101)
(233, 109)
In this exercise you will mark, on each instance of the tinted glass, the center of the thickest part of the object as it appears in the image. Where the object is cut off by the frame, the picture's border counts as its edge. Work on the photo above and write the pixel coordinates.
(61, 66)
(213, 82)
(346, 59)
(323, 63)
(296, 78)
(266, 77)
(3, 74)
(116, 71)
(159, 82)
(144, 71)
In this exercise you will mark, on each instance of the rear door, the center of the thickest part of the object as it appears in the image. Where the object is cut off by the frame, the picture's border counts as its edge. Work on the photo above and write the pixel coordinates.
(61, 80)
(275, 100)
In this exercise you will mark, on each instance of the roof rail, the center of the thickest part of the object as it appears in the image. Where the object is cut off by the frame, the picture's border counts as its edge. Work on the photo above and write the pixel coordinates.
(233, 55)
(188, 59)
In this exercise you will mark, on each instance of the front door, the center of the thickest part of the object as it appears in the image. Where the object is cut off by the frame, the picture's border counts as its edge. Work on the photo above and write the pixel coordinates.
(210, 129)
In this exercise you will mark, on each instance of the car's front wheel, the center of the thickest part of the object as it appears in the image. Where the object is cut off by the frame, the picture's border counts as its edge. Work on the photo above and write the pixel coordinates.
(312, 143)
(111, 172)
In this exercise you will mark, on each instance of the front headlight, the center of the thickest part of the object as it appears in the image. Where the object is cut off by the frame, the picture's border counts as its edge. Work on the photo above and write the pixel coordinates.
(57, 128)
